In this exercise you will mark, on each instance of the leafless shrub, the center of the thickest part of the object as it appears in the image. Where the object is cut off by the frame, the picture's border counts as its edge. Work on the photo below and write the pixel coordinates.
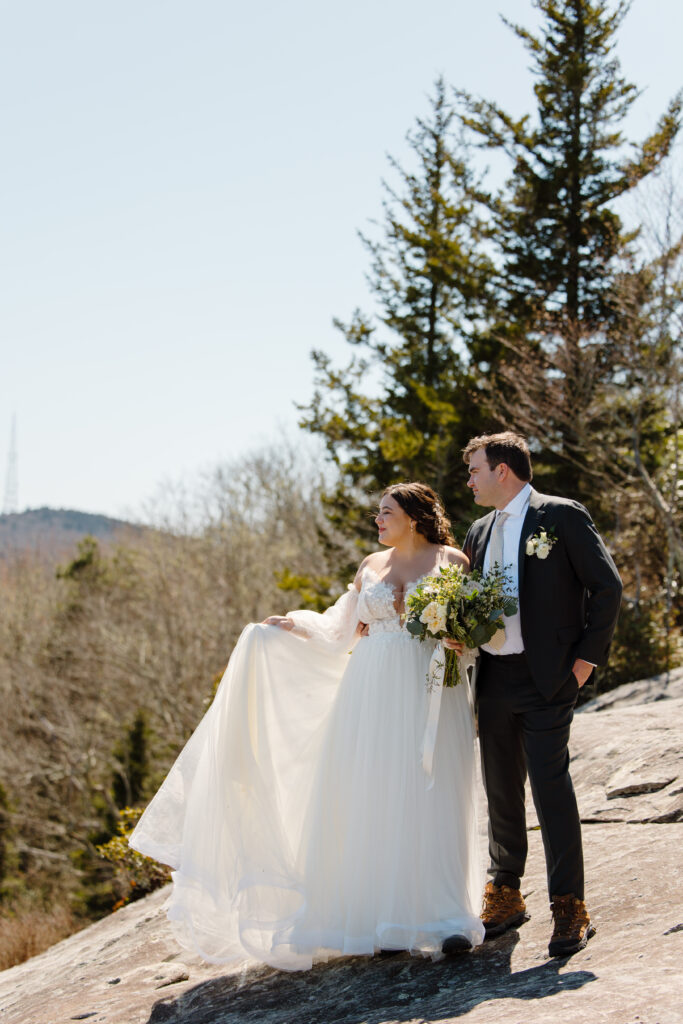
(148, 627)
(26, 930)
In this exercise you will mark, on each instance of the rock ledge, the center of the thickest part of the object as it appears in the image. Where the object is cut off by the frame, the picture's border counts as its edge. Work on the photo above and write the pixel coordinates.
(127, 969)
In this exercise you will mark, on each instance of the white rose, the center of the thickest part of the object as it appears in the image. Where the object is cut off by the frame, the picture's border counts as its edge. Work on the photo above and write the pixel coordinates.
(470, 589)
(434, 617)
(543, 550)
(530, 546)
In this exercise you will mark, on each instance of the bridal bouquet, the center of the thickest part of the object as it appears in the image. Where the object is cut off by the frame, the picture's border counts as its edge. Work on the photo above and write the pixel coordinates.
(468, 607)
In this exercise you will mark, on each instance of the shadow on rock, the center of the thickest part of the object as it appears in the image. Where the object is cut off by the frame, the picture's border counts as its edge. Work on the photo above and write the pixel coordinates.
(352, 990)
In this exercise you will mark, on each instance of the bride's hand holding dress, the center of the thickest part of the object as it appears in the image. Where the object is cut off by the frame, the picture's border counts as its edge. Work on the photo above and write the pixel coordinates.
(298, 817)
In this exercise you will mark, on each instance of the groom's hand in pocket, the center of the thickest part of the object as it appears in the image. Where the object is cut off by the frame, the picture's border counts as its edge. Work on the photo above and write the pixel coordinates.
(582, 671)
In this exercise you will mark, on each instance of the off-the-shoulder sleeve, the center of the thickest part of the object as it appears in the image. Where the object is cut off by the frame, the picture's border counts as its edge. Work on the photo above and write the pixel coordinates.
(336, 627)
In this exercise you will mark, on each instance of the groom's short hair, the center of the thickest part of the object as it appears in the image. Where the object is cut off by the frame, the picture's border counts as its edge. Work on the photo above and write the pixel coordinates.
(507, 447)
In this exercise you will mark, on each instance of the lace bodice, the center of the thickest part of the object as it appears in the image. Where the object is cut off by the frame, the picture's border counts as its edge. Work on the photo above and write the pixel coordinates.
(376, 604)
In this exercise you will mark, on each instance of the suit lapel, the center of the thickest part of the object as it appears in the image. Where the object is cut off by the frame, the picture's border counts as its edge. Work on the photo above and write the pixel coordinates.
(532, 522)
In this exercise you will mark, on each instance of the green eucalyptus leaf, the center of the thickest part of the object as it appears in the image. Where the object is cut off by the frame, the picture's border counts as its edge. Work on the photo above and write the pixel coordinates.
(480, 635)
(415, 627)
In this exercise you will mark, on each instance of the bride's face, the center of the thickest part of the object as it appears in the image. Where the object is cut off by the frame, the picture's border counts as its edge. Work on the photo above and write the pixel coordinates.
(393, 523)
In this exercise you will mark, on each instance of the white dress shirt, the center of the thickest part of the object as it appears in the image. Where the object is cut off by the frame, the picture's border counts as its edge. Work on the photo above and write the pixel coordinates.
(512, 532)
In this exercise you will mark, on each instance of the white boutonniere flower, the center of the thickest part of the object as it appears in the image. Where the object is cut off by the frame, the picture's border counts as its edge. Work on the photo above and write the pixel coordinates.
(540, 544)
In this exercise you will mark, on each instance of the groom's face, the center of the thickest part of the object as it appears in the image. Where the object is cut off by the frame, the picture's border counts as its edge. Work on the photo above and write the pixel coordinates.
(484, 481)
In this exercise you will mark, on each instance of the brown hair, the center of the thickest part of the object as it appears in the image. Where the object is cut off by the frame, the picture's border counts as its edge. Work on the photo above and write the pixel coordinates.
(507, 447)
(425, 507)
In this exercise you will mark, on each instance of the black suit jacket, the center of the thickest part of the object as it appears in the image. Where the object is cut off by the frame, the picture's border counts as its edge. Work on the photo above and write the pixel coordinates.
(569, 601)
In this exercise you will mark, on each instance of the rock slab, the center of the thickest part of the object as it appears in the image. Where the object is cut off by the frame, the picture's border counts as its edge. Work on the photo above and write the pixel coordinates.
(127, 969)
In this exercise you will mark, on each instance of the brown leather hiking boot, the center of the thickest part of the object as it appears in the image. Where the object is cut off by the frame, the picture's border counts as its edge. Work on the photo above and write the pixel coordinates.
(503, 908)
(573, 926)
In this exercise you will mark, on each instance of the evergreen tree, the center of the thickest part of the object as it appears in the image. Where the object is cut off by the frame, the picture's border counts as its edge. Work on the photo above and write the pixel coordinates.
(427, 273)
(132, 756)
(558, 237)
(4, 835)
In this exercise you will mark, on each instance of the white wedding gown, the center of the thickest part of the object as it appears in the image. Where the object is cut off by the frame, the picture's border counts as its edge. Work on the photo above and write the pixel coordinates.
(299, 817)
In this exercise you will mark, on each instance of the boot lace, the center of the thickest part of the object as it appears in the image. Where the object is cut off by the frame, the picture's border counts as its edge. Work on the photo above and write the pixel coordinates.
(497, 901)
(567, 914)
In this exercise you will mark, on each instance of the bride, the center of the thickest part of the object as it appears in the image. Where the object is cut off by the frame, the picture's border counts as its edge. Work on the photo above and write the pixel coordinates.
(305, 817)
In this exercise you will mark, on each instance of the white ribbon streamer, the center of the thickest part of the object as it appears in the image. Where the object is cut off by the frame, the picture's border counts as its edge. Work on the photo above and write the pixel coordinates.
(435, 677)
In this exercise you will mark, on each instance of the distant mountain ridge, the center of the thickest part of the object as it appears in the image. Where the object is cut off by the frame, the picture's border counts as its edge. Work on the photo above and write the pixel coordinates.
(52, 532)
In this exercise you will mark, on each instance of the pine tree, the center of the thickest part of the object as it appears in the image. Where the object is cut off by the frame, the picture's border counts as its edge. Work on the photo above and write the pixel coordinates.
(558, 238)
(643, 449)
(132, 756)
(427, 273)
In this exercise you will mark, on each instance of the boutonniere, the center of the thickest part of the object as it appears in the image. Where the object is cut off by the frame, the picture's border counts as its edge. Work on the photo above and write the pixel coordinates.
(541, 543)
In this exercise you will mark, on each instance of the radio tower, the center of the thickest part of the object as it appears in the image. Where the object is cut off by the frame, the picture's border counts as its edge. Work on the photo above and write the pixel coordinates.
(11, 503)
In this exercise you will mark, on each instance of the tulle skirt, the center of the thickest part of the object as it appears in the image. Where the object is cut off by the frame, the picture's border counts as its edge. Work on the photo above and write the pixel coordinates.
(299, 818)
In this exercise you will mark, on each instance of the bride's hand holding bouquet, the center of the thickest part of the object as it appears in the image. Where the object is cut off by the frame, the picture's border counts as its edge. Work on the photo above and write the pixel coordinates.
(464, 610)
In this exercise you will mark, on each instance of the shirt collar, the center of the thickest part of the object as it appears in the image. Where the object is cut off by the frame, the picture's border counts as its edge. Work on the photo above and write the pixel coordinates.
(518, 504)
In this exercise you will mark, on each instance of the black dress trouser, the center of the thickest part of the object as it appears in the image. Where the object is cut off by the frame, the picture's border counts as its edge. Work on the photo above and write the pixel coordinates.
(520, 733)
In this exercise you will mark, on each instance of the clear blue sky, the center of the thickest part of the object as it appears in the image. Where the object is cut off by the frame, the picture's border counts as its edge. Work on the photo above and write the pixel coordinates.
(181, 186)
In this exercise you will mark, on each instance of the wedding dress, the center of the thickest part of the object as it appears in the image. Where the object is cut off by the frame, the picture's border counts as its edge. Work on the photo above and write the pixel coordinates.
(299, 817)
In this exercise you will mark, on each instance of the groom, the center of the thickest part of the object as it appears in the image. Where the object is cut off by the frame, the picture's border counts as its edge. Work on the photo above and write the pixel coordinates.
(569, 592)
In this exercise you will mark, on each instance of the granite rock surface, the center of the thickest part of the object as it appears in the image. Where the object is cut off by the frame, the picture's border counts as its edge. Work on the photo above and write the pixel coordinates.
(627, 769)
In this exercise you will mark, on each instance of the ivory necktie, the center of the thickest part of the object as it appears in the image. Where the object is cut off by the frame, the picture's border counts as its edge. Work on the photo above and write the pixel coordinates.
(496, 542)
